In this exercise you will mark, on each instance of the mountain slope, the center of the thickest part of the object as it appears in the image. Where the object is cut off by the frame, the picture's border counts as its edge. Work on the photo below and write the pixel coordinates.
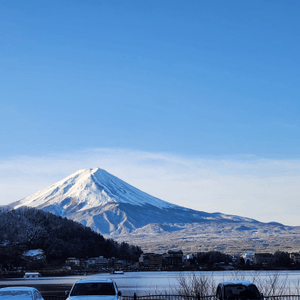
(59, 238)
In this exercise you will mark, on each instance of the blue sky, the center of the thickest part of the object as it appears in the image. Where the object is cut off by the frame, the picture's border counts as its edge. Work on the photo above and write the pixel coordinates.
(209, 81)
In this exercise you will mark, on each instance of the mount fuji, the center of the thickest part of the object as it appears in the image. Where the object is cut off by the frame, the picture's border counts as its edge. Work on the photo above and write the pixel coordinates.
(109, 205)
(114, 208)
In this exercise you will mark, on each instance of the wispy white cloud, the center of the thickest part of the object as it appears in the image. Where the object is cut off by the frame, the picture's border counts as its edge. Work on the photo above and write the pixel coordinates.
(264, 189)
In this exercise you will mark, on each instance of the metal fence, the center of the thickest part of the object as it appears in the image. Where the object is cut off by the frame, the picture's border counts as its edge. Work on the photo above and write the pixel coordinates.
(180, 297)
(198, 297)
(168, 297)
(283, 297)
(54, 297)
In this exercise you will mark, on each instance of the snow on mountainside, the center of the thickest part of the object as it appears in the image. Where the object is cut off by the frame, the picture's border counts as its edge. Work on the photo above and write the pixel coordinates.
(91, 188)
(111, 206)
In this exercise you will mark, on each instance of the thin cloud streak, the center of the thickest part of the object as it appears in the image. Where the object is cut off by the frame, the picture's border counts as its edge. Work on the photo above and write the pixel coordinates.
(263, 189)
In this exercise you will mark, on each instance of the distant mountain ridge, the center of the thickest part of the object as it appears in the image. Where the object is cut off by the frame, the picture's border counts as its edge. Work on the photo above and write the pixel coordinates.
(114, 208)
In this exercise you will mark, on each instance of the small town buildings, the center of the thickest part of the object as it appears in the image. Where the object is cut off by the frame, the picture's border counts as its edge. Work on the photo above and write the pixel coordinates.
(156, 260)
(263, 259)
(248, 258)
(174, 258)
(295, 257)
(34, 255)
(151, 260)
(144, 260)
(32, 275)
(120, 264)
(72, 261)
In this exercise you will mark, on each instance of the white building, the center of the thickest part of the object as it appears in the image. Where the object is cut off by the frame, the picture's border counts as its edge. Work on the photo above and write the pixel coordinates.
(248, 257)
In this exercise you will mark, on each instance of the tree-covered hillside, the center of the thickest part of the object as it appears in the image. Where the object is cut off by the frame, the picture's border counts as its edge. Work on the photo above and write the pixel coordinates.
(59, 237)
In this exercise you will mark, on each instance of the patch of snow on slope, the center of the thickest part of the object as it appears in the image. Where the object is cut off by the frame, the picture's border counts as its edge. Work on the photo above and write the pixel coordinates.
(34, 252)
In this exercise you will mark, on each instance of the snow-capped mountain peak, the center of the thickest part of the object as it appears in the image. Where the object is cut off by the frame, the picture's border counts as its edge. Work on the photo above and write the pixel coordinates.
(109, 205)
(90, 188)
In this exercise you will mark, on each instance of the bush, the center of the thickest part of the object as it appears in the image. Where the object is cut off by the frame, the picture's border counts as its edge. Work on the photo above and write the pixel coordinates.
(271, 284)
